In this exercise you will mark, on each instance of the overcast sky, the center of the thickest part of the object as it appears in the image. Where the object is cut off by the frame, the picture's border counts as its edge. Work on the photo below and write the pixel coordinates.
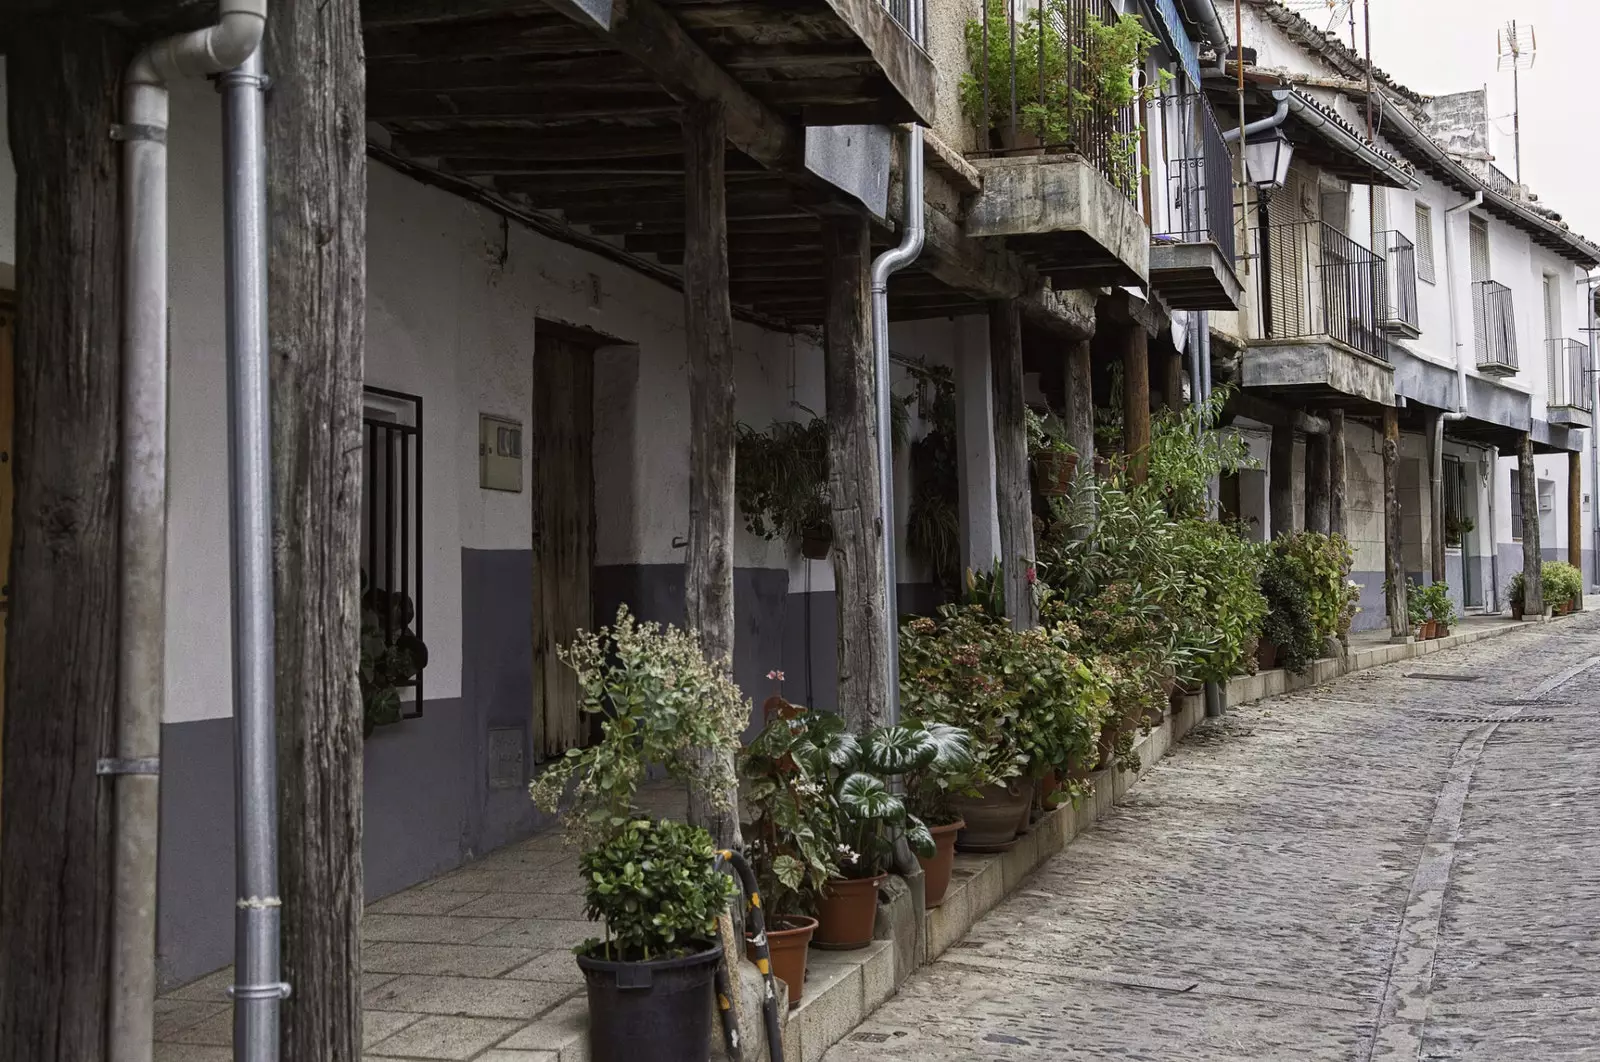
(1441, 46)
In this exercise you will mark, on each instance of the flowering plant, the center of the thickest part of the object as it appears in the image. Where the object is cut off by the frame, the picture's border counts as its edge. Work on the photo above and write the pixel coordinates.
(792, 830)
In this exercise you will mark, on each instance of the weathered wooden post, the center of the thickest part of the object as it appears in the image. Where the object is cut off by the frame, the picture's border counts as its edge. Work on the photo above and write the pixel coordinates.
(1172, 385)
(1575, 510)
(858, 561)
(1532, 557)
(708, 326)
(55, 849)
(1318, 484)
(1399, 619)
(1337, 519)
(1280, 476)
(1080, 417)
(1436, 560)
(1015, 496)
(1136, 400)
(316, 281)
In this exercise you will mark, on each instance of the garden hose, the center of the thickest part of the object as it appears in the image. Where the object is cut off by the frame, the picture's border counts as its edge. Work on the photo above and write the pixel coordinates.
(758, 944)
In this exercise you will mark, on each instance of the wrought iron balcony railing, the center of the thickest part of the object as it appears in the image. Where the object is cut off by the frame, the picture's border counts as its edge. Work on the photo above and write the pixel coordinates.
(1033, 85)
(1199, 200)
(1313, 281)
(1399, 306)
(1570, 364)
(907, 13)
(1494, 323)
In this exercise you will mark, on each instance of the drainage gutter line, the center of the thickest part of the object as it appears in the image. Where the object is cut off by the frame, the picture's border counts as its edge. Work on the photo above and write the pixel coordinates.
(135, 767)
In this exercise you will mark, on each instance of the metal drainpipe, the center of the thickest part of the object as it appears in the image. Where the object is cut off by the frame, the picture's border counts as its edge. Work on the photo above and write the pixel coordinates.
(1261, 125)
(141, 650)
(887, 263)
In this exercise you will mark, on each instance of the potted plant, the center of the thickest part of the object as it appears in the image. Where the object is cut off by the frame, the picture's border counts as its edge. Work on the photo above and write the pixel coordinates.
(1438, 608)
(1456, 528)
(931, 790)
(1054, 461)
(781, 483)
(661, 704)
(791, 833)
(391, 655)
(1563, 586)
(1515, 595)
(870, 816)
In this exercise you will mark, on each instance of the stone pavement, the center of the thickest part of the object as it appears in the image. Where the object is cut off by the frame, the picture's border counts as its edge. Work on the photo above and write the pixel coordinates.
(1388, 867)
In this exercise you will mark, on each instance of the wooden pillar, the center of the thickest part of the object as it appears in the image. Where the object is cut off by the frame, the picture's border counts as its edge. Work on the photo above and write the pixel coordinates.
(1172, 385)
(1318, 501)
(1136, 400)
(316, 280)
(60, 690)
(708, 326)
(1575, 511)
(1435, 429)
(1080, 403)
(1532, 558)
(1338, 521)
(1280, 485)
(858, 558)
(1015, 497)
(1399, 621)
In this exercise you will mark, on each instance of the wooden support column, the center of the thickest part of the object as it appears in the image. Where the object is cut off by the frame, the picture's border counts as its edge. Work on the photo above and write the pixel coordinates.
(1435, 431)
(1399, 621)
(1533, 601)
(1280, 481)
(1318, 500)
(708, 326)
(60, 690)
(1136, 400)
(1575, 511)
(316, 282)
(1015, 496)
(1080, 414)
(858, 558)
(1172, 385)
(1338, 521)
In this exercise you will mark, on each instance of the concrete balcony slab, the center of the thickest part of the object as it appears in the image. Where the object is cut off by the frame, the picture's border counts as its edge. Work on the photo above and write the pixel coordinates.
(1194, 276)
(1570, 417)
(1317, 369)
(1064, 217)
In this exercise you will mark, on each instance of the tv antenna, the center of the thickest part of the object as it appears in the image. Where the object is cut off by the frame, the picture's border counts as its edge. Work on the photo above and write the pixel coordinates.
(1326, 13)
(1518, 47)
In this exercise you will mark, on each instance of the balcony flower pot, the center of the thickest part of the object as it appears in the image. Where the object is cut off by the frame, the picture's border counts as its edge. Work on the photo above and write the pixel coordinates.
(1053, 471)
(788, 943)
(1516, 611)
(936, 871)
(1266, 655)
(815, 542)
(994, 817)
(846, 913)
(656, 1009)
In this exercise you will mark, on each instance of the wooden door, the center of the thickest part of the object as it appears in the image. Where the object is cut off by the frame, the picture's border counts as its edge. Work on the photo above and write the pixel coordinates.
(7, 331)
(562, 438)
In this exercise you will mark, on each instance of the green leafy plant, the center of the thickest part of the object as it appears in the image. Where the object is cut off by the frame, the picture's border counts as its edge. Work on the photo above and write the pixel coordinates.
(781, 478)
(391, 655)
(1047, 433)
(660, 702)
(1290, 623)
(947, 773)
(1457, 527)
(1434, 602)
(792, 830)
(1562, 582)
(655, 886)
(870, 812)
(933, 521)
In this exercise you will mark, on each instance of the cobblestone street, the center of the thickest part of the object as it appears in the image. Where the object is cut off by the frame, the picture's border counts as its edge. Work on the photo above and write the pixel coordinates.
(1404, 864)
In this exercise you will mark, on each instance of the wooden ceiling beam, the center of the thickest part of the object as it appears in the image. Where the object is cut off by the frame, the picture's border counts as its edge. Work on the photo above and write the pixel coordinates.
(545, 35)
(382, 13)
(518, 74)
(531, 108)
(593, 145)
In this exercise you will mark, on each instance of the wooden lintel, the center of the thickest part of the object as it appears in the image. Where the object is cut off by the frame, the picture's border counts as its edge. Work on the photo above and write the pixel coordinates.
(1274, 415)
(984, 269)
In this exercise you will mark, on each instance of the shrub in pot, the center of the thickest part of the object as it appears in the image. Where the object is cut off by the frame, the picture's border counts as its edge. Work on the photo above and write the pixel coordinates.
(654, 884)
(791, 831)
(1437, 607)
(1563, 586)
(1054, 460)
(931, 790)
(1289, 636)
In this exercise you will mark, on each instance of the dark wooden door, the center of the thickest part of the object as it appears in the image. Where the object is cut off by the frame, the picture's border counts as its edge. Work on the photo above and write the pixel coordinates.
(563, 532)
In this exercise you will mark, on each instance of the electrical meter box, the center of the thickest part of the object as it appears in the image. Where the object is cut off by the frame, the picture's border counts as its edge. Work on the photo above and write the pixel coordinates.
(499, 453)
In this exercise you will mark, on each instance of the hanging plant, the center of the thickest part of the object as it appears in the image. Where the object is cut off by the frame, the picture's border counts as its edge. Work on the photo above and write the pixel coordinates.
(933, 522)
(781, 479)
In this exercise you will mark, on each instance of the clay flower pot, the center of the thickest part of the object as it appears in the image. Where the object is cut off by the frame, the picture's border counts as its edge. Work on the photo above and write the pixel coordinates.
(788, 939)
(994, 818)
(1053, 472)
(1266, 655)
(936, 871)
(846, 913)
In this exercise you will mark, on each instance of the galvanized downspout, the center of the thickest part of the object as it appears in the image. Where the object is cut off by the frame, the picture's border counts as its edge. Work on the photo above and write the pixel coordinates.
(143, 495)
(914, 220)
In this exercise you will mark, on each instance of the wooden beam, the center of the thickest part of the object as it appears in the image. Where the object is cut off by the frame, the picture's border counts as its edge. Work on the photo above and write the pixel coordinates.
(1012, 488)
(1280, 480)
(376, 14)
(1136, 400)
(859, 563)
(498, 39)
(708, 326)
(559, 73)
(1575, 510)
(1318, 483)
(1338, 520)
(1172, 382)
(1272, 414)
(985, 270)
(1533, 602)
(652, 37)
(533, 110)
(1080, 416)
(596, 144)
(1394, 576)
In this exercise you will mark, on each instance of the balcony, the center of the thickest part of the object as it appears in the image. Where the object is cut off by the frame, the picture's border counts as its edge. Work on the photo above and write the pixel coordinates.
(1399, 303)
(1192, 253)
(1061, 158)
(1571, 398)
(1494, 323)
(1315, 331)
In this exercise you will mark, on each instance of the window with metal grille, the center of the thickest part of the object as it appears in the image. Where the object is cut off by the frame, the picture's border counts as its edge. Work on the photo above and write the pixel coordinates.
(1425, 243)
(393, 655)
(1516, 506)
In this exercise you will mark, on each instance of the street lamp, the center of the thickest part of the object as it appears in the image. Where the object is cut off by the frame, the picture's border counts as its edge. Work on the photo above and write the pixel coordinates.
(1266, 161)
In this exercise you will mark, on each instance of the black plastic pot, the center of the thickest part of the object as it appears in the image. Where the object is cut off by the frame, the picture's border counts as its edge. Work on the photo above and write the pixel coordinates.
(642, 1011)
